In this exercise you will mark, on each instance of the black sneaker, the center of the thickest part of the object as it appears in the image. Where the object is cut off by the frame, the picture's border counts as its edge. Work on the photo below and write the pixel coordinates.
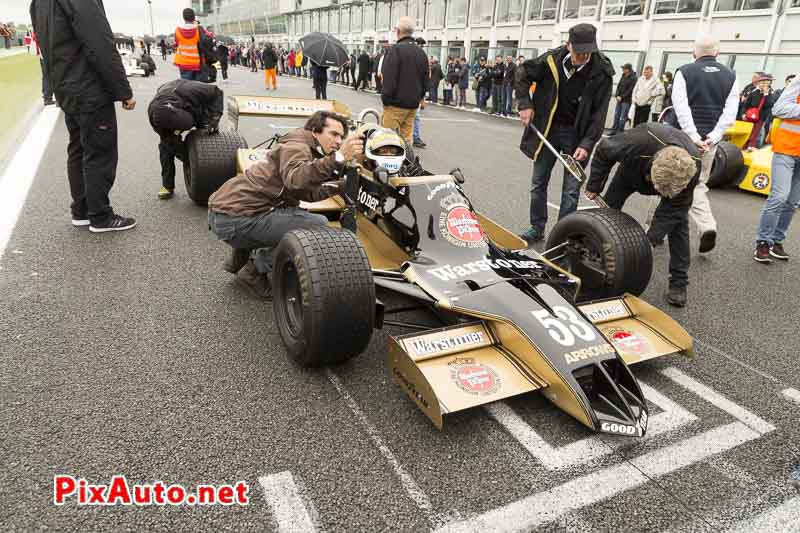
(114, 223)
(419, 144)
(677, 296)
(708, 240)
(778, 252)
(761, 253)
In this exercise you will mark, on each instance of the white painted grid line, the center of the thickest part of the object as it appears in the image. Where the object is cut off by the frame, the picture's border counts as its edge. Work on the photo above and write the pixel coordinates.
(737, 361)
(792, 394)
(718, 400)
(18, 177)
(785, 517)
(537, 509)
(412, 489)
(593, 447)
(288, 508)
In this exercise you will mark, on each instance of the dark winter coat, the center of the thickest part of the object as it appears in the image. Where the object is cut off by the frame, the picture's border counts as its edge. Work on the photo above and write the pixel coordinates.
(634, 151)
(625, 87)
(405, 75)
(268, 58)
(510, 76)
(463, 77)
(364, 64)
(484, 76)
(591, 113)
(436, 75)
(204, 101)
(498, 74)
(77, 45)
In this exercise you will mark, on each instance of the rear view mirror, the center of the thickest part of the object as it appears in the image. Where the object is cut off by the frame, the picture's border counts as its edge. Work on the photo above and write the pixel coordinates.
(458, 175)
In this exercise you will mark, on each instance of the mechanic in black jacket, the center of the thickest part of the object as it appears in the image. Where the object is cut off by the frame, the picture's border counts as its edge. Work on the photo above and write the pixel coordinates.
(178, 106)
(87, 77)
(509, 80)
(573, 87)
(498, 77)
(653, 159)
(405, 79)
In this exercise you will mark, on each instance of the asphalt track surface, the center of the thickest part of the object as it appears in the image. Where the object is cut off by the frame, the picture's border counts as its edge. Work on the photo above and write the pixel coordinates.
(134, 353)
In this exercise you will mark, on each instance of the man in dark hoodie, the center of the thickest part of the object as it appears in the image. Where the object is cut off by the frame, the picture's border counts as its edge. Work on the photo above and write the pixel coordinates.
(254, 210)
(179, 106)
(87, 77)
(624, 97)
(569, 105)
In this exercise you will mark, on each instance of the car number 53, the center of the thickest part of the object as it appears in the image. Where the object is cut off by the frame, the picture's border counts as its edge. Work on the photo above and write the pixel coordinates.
(565, 326)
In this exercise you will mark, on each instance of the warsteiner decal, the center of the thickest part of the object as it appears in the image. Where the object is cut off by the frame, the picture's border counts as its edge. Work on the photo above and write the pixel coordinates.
(423, 347)
(628, 341)
(449, 272)
(587, 353)
(474, 378)
(603, 312)
(271, 107)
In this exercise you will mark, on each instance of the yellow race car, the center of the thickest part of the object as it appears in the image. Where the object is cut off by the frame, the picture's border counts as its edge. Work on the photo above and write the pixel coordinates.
(749, 170)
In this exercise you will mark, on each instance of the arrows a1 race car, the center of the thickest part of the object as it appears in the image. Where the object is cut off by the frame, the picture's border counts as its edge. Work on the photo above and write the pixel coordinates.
(508, 321)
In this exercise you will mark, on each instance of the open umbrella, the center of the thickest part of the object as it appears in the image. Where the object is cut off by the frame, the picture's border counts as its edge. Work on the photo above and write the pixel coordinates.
(324, 49)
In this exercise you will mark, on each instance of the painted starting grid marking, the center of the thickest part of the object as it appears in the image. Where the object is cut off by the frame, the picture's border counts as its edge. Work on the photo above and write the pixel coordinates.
(546, 506)
(288, 508)
(792, 394)
(785, 517)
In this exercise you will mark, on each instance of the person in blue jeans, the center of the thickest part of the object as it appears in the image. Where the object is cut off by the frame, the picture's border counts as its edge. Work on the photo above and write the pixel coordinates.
(508, 86)
(624, 97)
(417, 135)
(784, 195)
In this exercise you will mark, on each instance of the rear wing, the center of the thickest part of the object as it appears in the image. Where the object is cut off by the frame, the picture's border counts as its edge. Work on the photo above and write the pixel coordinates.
(274, 106)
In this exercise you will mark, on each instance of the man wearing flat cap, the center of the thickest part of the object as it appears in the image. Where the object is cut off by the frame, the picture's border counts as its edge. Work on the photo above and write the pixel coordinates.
(568, 105)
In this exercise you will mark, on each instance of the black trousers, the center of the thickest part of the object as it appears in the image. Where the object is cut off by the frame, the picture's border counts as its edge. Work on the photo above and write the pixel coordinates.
(224, 65)
(47, 91)
(92, 162)
(670, 221)
(345, 76)
(641, 114)
(321, 88)
(169, 150)
(362, 81)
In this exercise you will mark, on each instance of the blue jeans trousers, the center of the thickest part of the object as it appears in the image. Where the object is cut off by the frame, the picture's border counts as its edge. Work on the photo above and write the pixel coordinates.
(508, 100)
(784, 198)
(192, 75)
(564, 139)
(621, 115)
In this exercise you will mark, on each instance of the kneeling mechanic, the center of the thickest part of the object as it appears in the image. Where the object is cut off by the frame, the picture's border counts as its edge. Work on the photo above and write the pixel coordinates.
(179, 106)
(253, 211)
(654, 159)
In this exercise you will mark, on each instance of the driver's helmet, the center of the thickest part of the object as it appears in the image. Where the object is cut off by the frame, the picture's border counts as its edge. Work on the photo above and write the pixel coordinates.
(385, 148)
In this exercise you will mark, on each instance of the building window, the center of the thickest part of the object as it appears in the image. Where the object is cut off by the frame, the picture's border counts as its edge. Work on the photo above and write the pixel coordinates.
(416, 10)
(369, 16)
(741, 5)
(383, 15)
(435, 15)
(355, 18)
(481, 12)
(795, 3)
(509, 11)
(399, 9)
(624, 7)
(574, 9)
(542, 9)
(276, 24)
(457, 13)
(669, 7)
(334, 20)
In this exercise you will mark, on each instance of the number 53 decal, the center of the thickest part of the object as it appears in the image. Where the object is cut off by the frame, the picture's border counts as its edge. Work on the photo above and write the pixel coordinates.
(565, 326)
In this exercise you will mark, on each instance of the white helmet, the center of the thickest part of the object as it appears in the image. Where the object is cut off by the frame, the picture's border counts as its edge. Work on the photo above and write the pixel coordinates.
(386, 149)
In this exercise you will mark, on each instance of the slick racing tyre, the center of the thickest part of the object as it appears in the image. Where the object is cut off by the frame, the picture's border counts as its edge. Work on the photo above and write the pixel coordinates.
(210, 162)
(727, 167)
(607, 249)
(323, 296)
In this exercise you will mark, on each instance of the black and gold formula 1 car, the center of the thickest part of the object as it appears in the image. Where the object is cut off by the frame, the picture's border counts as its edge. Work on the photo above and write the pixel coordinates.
(491, 319)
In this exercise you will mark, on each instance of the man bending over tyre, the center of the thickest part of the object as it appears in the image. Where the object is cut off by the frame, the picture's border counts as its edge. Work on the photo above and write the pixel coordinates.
(178, 106)
(254, 210)
(653, 159)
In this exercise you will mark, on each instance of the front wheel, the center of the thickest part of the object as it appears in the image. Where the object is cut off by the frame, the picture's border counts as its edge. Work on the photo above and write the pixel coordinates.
(607, 249)
(323, 296)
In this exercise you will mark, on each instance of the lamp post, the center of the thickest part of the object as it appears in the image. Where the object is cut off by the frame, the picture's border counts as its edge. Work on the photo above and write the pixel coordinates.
(150, 8)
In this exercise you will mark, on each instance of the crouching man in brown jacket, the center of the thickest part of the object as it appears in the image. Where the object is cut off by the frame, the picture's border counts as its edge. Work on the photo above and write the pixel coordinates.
(254, 210)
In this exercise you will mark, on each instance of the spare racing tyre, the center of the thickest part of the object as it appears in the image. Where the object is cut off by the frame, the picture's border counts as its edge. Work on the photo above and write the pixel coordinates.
(210, 162)
(607, 249)
(323, 296)
(727, 167)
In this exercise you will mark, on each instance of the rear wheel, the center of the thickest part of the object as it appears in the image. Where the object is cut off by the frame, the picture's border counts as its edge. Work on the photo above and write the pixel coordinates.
(607, 249)
(210, 162)
(323, 296)
(727, 167)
